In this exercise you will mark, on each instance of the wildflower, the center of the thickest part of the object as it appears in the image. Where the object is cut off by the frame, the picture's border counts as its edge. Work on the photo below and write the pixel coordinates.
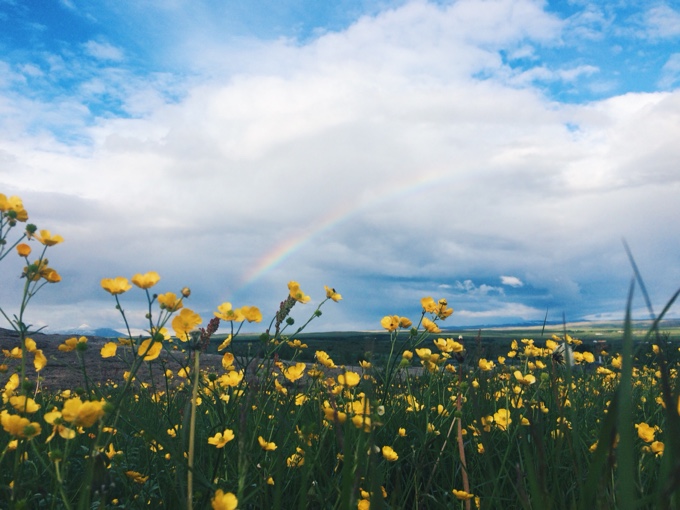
(390, 322)
(23, 250)
(228, 360)
(24, 404)
(18, 426)
(524, 379)
(251, 313)
(116, 285)
(331, 294)
(404, 323)
(323, 358)
(401, 432)
(428, 304)
(146, 280)
(430, 326)
(185, 322)
(448, 345)
(39, 360)
(224, 501)
(55, 419)
(295, 372)
(227, 313)
(297, 459)
(169, 301)
(266, 446)
(221, 438)
(136, 477)
(47, 239)
(225, 343)
(296, 344)
(70, 344)
(645, 432)
(149, 349)
(657, 448)
(14, 206)
(109, 350)
(441, 309)
(502, 419)
(462, 495)
(485, 365)
(389, 454)
(366, 365)
(296, 293)
(349, 379)
(82, 414)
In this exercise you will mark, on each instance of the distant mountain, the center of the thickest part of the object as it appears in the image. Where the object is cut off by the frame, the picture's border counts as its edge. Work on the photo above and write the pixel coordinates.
(101, 332)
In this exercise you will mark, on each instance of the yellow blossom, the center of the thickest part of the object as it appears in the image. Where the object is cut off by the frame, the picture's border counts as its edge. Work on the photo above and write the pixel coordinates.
(323, 358)
(183, 323)
(225, 343)
(251, 313)
(296, 293)
(109, 350)
(390, 322)
(349, 379)
(24, 404)
(116, 285)
(169, 301)
(389, 454)
(221, 438)
(146, 280)
(224, 501)
(428, 304)
(149, 349)
(524, 379)
(645, 432)
(70, 344)
(136, 477)
(294, 372)
(47, 239)
(82, 414)
(485, 365)
(18, 426)
(430, 326)
(462, 495)
(39, 360)
(23, 250)
(266, 446)
(502, 419)
(331, 294)
(226, 312)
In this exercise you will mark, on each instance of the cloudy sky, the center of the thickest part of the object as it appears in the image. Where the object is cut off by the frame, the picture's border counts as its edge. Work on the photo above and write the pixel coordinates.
(494, 153)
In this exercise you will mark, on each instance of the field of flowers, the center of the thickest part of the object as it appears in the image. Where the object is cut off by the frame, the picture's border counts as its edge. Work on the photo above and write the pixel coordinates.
(434, 425)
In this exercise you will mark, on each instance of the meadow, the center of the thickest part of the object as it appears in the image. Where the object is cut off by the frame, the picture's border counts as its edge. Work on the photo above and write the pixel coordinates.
(415, 416)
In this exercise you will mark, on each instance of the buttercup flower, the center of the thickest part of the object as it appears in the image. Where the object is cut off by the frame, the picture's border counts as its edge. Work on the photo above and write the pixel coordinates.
(389, 454)
(109, 350)
(116, 285)
(295, 372)
(349, 379)
(251, 313)
(14, 206)
(46, 238)
(149, 349)
(430, 326)
(23, 250)
(428, 304)
(390, 322)
(227, 313)
(146, 280)
(224, 501)
(186, 321)
(331, 294)
(462, 495)
(266, 446)
(221, 438)
(82, 414)
(645, 432)
(296, 293)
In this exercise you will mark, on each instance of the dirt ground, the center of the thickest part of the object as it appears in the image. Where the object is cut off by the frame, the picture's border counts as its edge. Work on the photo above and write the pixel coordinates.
(63, 368)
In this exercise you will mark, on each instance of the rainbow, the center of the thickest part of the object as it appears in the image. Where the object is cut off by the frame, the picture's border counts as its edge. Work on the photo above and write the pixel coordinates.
(335, 217)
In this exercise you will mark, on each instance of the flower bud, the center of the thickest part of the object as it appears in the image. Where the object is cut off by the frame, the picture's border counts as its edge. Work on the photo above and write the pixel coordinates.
(186, 292)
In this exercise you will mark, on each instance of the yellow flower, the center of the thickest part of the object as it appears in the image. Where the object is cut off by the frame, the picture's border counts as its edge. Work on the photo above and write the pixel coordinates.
(24, 404)
(502, 419)
(390, 322)
(448, 345)
(296, 293)
(169, 301)
(46, 238)
(70, 344)
(296, 344)
(18, 426)
(266, 446)
(295, 372)
(331, 294)
(221, 438)
(136, 477)
(349, 379)
(428, 304)
(224, 501)
(462, 495)
(82, 414)
(657, 448)
(524, 379)
(401, 432)
(227, 313)
(405, 322)
(430, 326)
(149, 349)
(14, 205)
(116, 285)
(251, 313)
(296, 460)
(39, 360)
(109, 350)
(485, 365)
(227, 360)
(389, 454)
(645, 432)
(186, 321)
(225, 343)
(23, 250)
(323, 358)
(146, 280)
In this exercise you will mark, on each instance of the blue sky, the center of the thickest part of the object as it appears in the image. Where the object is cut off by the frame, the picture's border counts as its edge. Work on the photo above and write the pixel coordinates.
(494, 153)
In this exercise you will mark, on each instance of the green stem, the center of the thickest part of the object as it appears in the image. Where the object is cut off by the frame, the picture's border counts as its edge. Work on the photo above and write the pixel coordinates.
(192, 432)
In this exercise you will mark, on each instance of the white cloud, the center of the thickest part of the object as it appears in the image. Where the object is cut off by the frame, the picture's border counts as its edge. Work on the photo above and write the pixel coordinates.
(104, 51)
(511, 281)
(662, 21)
(670, 72)
(397, 149)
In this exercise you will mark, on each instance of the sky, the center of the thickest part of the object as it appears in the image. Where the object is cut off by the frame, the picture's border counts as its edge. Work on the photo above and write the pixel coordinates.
(494, 153)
